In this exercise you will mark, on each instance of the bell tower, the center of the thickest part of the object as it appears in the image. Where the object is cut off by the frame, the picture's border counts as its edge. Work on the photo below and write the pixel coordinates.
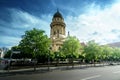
(57, 31)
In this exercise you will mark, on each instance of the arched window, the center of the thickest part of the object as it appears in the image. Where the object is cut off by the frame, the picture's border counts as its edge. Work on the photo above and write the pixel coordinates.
(54, 33)
(57, 33)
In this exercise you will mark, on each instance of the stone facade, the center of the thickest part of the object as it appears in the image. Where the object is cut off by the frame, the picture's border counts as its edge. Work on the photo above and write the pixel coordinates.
(57, 31)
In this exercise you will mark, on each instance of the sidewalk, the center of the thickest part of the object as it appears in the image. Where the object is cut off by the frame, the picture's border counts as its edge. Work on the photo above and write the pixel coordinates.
(39, 69)
(27, 69)
(50, 68)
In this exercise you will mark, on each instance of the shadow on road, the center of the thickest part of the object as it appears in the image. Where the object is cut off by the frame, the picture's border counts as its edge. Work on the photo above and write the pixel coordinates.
(42, 71)
(29, 72)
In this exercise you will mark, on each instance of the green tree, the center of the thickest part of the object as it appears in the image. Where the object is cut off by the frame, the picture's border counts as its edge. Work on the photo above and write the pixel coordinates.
(14, 55)
(107, 51)
(71, 48)
(11, 54)
(116, 54)
(101, 55)
(35, 44)
(91, 51)
(7, 55)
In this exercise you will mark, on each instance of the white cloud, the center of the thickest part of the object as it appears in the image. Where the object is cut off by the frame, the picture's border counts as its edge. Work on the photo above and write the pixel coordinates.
(22, 19)
(20, 22)
(9, 41)
(102, 21)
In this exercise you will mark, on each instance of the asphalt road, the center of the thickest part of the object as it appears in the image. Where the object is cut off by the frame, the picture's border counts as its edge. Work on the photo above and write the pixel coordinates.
(92, 73)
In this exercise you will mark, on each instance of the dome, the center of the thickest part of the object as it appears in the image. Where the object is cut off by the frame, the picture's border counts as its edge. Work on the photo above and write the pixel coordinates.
(57, 14)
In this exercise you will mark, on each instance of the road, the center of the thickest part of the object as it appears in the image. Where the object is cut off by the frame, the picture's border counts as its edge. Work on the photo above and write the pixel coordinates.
(92, 73)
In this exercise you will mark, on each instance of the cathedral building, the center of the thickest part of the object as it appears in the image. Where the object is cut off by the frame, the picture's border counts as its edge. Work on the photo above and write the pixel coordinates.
(57, 31)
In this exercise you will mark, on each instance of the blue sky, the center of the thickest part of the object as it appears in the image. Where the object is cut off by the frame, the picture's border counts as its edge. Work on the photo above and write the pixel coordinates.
(97, 20)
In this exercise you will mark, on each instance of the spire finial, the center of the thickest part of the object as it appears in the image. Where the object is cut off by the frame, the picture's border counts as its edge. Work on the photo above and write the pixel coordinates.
(68, 33)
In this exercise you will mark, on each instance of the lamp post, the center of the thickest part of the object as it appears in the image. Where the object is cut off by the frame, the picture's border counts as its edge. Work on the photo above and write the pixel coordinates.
(35, 59)
(34, 51)
(9, 62)
(58, 56)
(49, 58)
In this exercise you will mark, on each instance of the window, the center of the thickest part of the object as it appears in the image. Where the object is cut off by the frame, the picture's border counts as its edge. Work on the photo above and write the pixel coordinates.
(54, 33)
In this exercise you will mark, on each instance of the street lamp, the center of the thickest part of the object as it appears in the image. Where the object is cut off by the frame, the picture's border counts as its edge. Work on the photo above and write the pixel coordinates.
(58, 55)
(57, 58)
(9, 62)
(35, 59)
(35, 51)
(49, 58)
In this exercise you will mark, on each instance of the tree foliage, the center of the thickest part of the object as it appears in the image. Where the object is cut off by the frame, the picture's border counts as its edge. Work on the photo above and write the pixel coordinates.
(7, 55)
(35, 43)
(92, 51)
(15, 56)
(71, 47)
(96, 52)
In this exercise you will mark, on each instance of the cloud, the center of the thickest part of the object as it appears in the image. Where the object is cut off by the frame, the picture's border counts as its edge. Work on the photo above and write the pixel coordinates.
(24, 20)
(104, 22)
(115, 31)
(95, 33)
(9, 41)
(87, 21)
(21, 21)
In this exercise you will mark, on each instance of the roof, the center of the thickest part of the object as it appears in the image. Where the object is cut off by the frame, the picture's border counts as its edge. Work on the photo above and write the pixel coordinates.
(57, 14)
(116, 44)
(82, 44)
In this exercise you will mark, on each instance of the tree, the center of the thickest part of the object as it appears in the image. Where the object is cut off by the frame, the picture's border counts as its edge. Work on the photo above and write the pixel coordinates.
(11, 55)
(71, 48)
(107, 52)
(115, 56)
(7, 55)
(35, 44)
(16, 55)
(91, 51)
